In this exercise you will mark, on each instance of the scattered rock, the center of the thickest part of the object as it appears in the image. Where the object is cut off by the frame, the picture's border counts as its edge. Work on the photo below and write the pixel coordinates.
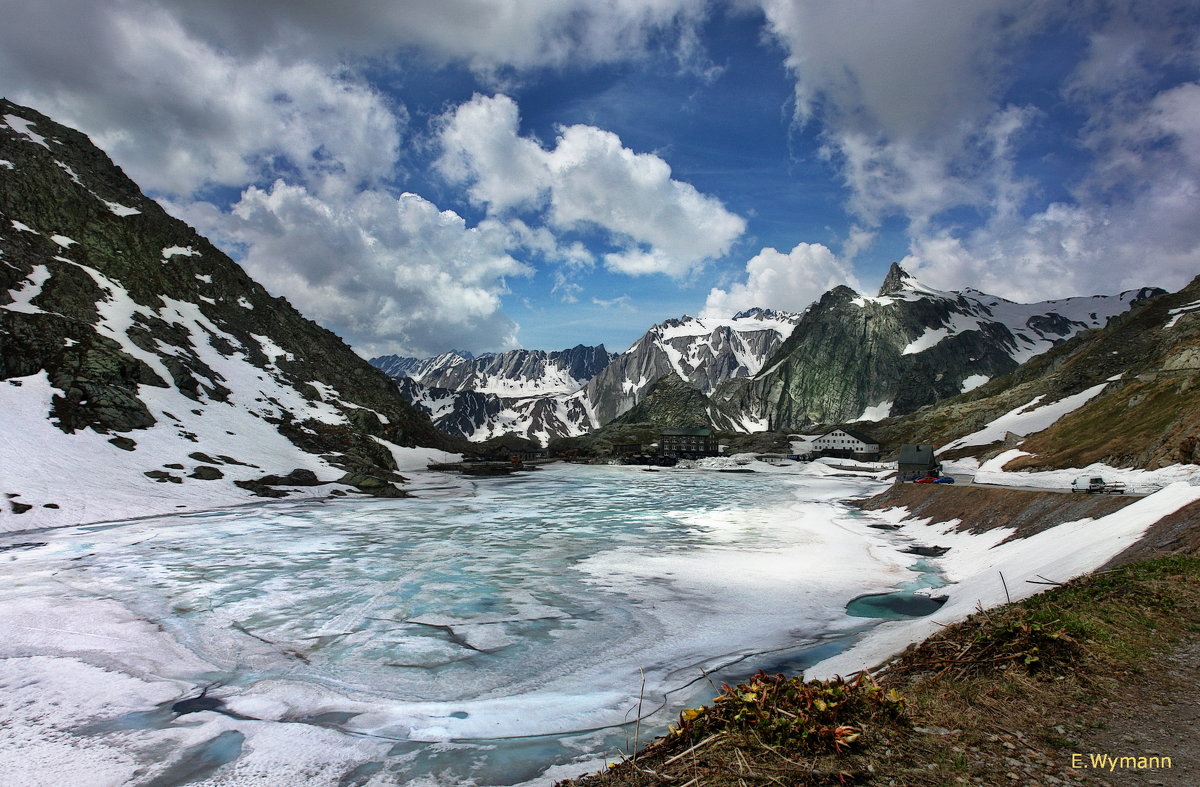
(927, 551)
(124, 443)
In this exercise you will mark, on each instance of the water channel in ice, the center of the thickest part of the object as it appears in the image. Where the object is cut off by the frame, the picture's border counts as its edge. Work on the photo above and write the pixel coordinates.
(481, 633)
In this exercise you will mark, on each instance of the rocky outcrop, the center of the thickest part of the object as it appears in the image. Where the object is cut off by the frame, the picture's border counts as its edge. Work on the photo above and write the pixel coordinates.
(673, 403)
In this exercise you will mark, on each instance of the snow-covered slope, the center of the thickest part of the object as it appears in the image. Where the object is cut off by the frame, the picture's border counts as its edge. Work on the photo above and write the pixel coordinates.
(142, 371)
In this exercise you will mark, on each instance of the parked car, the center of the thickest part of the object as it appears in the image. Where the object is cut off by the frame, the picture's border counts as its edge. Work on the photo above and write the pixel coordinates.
(943, 480)
(1095, 485)
(934, 479)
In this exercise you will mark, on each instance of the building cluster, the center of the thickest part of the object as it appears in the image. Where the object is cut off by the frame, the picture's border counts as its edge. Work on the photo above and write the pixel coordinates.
(913, 462)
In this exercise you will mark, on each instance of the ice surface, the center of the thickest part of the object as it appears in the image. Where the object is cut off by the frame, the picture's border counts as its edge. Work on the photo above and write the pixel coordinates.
(486, 631)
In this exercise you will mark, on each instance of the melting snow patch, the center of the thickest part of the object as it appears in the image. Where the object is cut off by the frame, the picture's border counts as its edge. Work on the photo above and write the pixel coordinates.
(22, 296)
(179, 251)
(21, 126)
(271, 349)
(204, 277)
(6, 164)
(70, 172)
(245, 304)
(63, 240)
(875, 413)
(24, 227)
(119, 209)
(973, 382)
(1026, 420)
(926, 340)
(1176, 314)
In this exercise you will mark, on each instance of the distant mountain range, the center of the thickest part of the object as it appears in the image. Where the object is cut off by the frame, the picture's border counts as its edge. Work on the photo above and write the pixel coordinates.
(858, 358)
(848, 358)
(1127, 394)
(545, 396)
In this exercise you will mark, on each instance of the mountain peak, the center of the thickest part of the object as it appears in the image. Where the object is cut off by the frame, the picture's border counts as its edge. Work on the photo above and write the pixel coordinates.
(896, 280)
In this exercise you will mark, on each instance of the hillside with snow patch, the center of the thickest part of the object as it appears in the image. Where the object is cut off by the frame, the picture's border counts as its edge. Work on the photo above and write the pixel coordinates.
(142, 371)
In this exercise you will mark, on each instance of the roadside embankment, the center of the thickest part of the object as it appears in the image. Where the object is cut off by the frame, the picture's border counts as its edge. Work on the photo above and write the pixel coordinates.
(979, 509)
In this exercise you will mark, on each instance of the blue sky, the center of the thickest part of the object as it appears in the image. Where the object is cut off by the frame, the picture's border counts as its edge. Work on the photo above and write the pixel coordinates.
(486, 174)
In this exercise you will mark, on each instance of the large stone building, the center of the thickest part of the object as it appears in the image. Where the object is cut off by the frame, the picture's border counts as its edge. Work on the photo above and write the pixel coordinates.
(687, 443)
(847, 444)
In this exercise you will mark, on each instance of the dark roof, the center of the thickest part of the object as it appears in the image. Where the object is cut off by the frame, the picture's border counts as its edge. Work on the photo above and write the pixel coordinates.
(855, 434)
(920, 454)
(701, 432)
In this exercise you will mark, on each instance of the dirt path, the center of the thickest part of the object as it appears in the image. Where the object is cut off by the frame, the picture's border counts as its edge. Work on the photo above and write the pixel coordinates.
(1156, 715)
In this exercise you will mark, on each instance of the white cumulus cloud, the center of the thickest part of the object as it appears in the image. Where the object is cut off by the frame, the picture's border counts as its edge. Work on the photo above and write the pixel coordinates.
(387, 274)
(789, 282)
(587, 181)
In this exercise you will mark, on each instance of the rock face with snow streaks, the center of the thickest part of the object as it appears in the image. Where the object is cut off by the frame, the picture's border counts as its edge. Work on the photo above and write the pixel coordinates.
(853, 357)
(1121, 396)
(481, 416)
(516, 373)
(705, 352)
(142, 347)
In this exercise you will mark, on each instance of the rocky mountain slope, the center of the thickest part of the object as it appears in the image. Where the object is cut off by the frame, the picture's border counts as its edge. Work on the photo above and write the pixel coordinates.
(706, 352)
(854, 358)
(483, 416)
(1123, 396)
(142, 371)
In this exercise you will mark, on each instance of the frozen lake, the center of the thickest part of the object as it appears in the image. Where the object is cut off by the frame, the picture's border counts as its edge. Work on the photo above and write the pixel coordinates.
(482, 633)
